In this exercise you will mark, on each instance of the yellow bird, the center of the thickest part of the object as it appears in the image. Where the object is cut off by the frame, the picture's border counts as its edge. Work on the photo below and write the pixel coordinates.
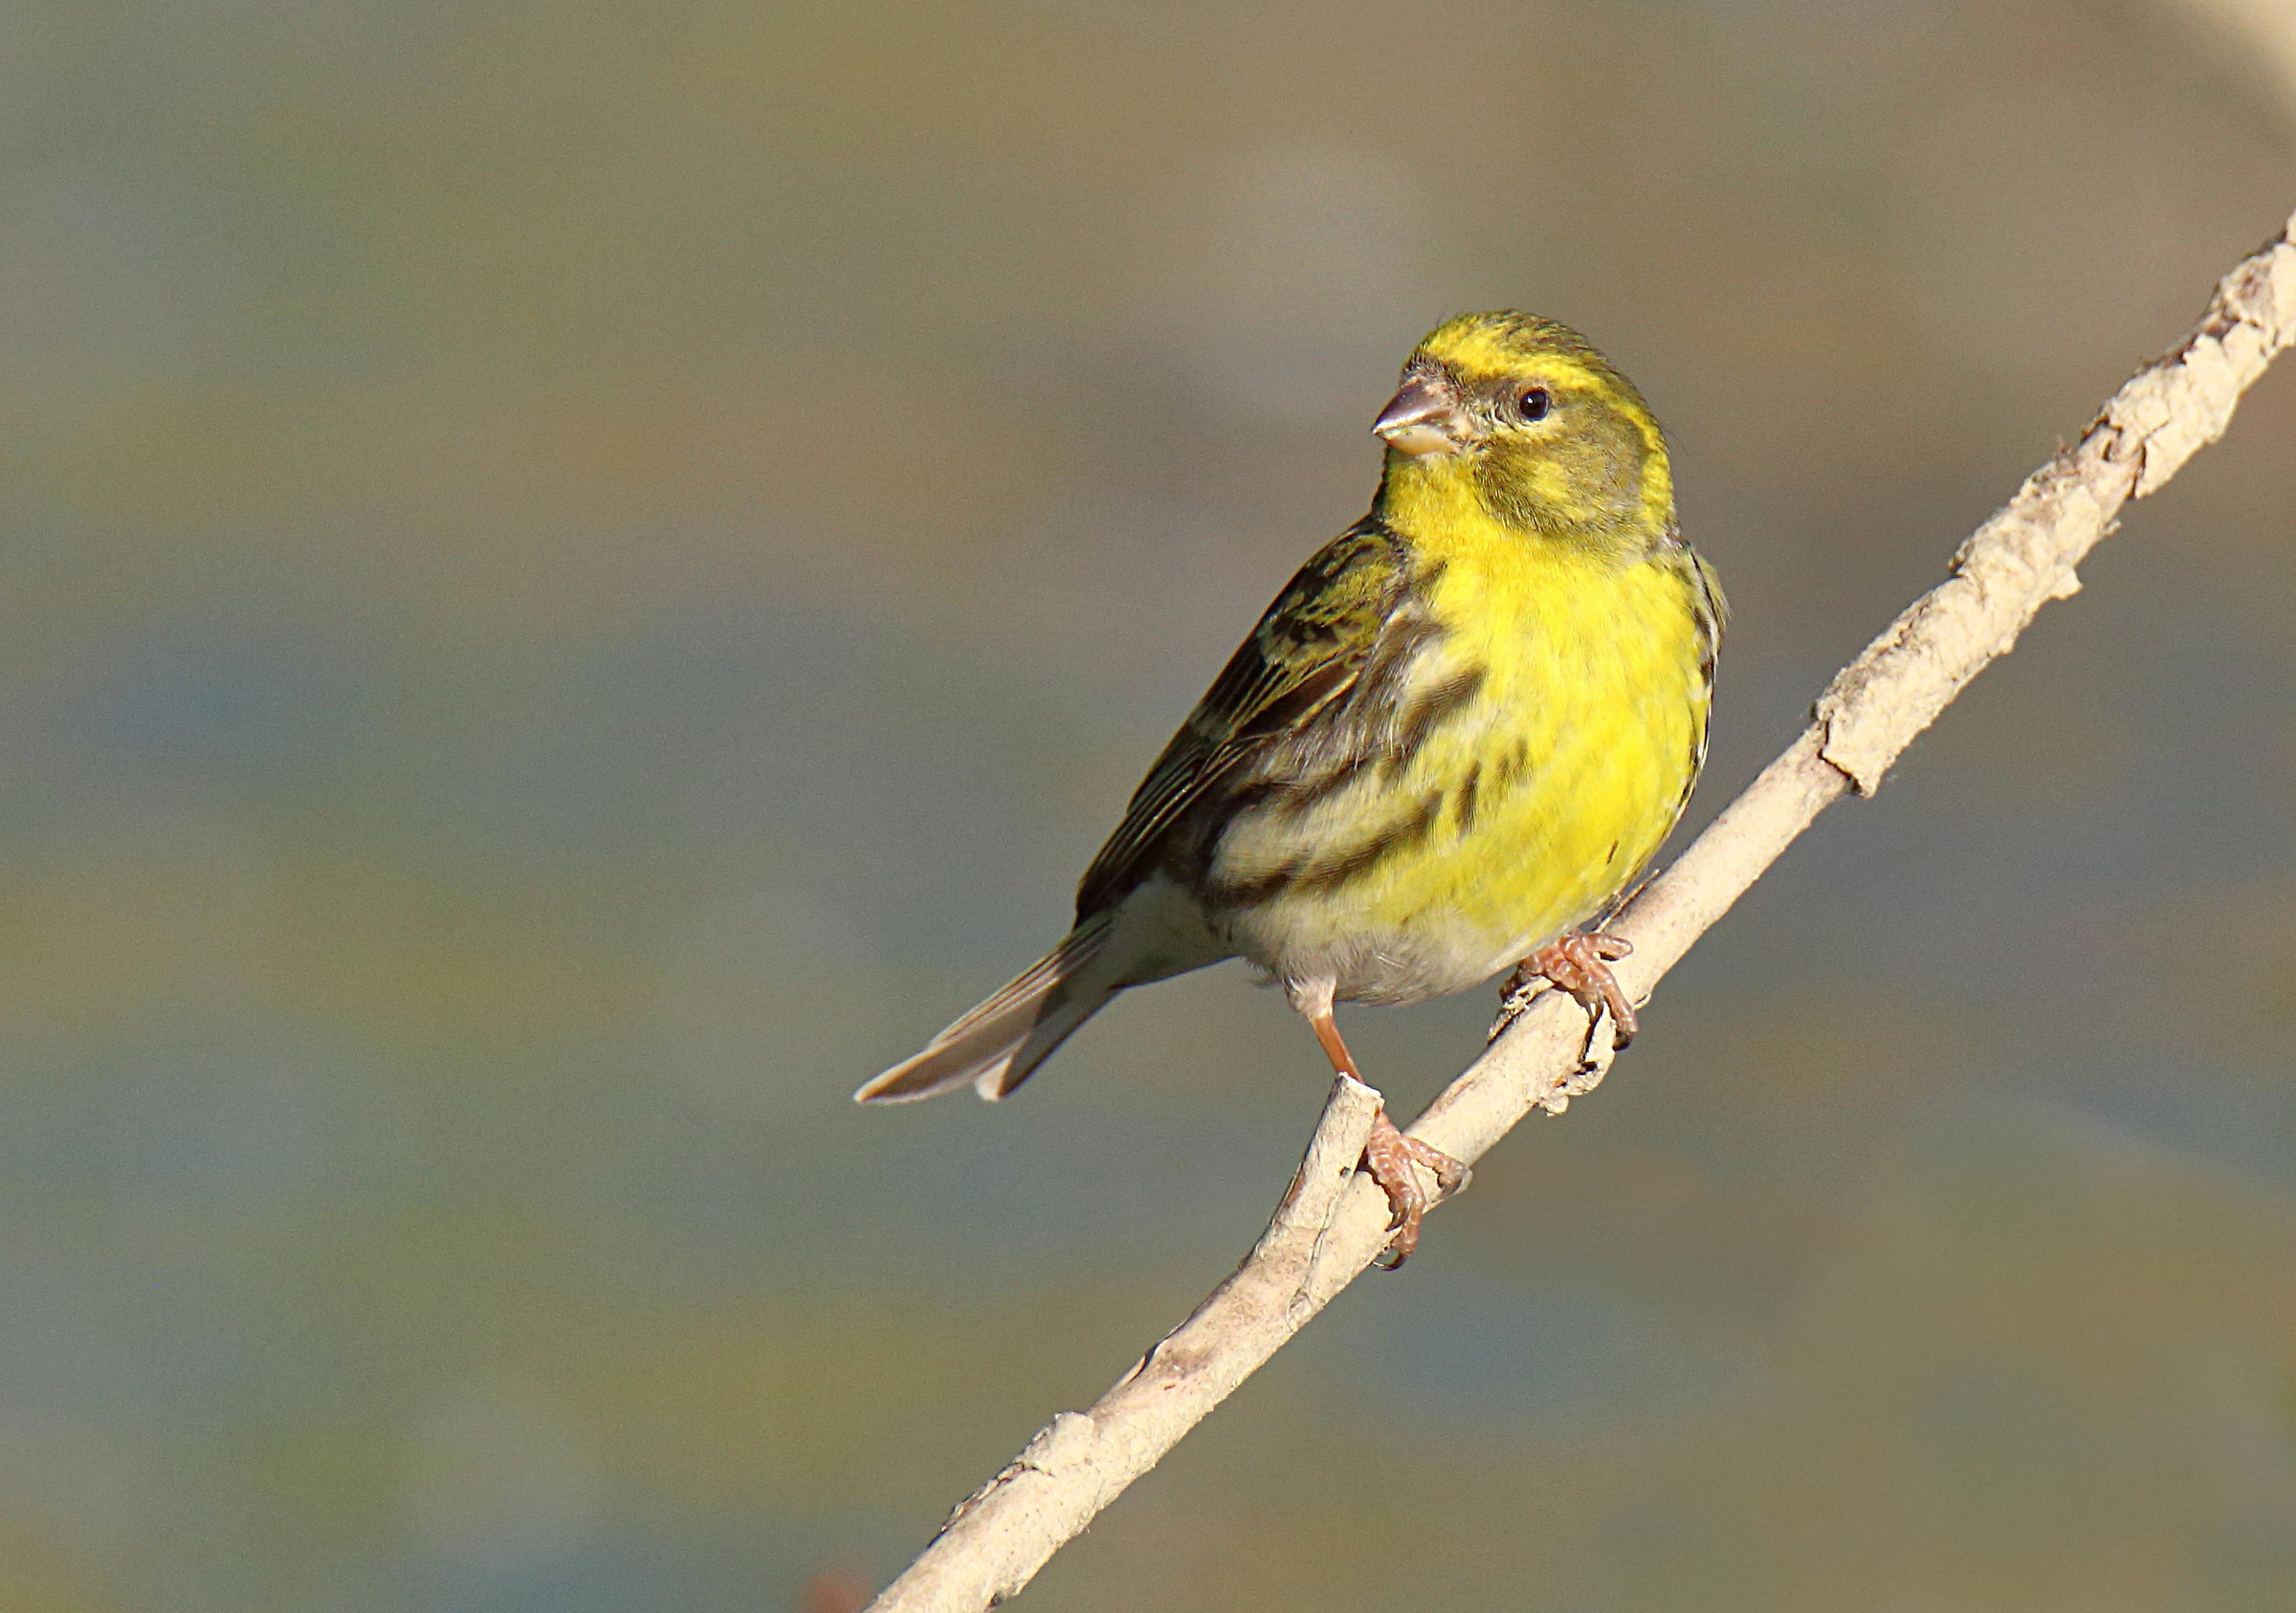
(1453, 737)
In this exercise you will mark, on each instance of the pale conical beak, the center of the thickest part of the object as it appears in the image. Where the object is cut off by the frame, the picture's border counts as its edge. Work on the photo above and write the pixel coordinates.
(1425, 418)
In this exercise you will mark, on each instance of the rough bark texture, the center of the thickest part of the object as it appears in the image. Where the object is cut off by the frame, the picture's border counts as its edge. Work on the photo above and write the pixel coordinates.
(1332, 1223)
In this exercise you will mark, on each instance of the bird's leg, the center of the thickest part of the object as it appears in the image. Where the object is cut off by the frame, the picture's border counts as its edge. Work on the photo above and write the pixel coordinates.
(1578, 961)
(1388, 1155)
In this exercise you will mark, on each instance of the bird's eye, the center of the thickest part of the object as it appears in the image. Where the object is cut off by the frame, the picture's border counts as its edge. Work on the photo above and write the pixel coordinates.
(1535, 403)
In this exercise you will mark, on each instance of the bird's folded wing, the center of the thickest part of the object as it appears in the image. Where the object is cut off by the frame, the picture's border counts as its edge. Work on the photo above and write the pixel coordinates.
(1302, 657)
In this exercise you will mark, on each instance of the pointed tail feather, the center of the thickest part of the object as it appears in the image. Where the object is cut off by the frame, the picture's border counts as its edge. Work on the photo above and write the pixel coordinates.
(1000, 1043)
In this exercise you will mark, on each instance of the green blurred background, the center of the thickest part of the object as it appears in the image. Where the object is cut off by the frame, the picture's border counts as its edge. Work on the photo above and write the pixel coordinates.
(583, 575)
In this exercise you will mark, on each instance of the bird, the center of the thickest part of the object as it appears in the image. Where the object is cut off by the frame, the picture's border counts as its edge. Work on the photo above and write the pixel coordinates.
(1457, 735)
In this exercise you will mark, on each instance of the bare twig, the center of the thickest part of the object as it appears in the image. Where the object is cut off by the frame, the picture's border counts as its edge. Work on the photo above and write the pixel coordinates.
(1331, 1223)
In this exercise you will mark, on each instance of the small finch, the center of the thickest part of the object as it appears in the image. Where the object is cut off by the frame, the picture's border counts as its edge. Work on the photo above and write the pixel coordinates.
(1457, 734)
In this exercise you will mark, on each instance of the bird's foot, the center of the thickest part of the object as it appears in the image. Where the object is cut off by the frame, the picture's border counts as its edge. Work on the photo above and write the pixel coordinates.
(1389, 1156)
(1578, 963)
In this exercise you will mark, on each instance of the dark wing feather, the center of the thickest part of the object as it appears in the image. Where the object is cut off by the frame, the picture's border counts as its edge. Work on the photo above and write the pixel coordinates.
(1304, 655)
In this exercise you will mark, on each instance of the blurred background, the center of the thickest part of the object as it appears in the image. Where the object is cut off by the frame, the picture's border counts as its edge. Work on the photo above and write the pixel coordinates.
(581, 576)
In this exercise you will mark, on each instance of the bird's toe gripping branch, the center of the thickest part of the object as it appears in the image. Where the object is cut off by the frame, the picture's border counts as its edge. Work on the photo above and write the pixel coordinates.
(1577, 963)
(1388, 1155)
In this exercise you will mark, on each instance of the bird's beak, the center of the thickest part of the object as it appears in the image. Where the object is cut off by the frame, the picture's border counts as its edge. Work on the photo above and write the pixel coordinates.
(1426, 418)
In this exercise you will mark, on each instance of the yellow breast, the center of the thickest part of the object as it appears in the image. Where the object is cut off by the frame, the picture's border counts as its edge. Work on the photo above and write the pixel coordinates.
(1589, 731)
(1549, 788)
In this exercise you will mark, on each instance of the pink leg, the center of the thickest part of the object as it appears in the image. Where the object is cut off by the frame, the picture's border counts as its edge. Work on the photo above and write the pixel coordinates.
(1579, 962)
(1388, 1155)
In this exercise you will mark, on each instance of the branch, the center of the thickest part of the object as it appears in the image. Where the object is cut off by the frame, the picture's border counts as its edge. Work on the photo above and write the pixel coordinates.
(1333, 1221)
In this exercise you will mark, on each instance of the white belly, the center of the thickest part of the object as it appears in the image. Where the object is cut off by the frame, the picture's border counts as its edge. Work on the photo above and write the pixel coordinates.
(1311, 941)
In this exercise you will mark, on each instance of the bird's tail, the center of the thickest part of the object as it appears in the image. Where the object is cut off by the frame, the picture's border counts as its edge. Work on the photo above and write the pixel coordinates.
(1000, 1043)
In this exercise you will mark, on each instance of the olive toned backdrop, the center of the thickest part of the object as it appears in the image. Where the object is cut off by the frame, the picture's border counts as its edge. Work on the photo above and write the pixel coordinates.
(579, 575)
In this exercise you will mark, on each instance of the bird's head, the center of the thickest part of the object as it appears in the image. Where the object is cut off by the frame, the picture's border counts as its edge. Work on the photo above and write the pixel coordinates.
(1525, 418)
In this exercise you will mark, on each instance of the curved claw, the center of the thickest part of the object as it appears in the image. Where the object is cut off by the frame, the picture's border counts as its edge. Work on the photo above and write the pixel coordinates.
(1388, 1155)
(1580, 964)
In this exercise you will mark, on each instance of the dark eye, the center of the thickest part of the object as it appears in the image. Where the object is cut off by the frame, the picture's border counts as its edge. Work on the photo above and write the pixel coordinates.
(1535, 404)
